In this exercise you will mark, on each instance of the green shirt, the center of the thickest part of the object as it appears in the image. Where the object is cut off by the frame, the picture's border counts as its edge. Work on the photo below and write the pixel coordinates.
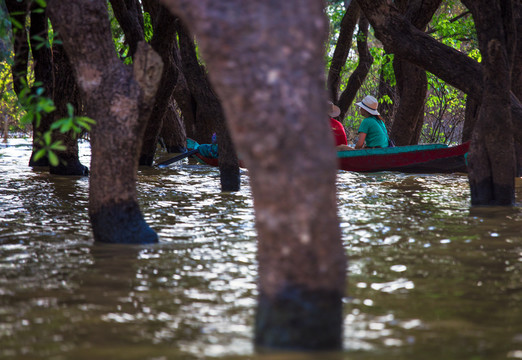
(375, 130)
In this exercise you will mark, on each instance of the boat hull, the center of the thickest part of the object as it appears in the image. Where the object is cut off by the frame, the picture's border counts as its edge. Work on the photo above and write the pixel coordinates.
(422, 159)
(408, 159)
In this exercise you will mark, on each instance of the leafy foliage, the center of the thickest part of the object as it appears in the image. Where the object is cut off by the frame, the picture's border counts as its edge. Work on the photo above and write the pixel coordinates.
(73, 123)
(444, 112)
(29, 106)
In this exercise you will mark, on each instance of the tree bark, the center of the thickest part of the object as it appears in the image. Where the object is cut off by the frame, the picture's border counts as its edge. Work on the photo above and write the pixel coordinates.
(265, 60)
(209, 115)
(128, 17)
(205, 101)
(388, 93)
(119, 99)
(516, 77)
(52, 71)
(470, 118)
(492, 155)
(359, 74)
(163, 42)
(342, 49)
(516, 84)
(173, 134)
(65, 91)
(412, 83)
(43, 75)
(18, 11)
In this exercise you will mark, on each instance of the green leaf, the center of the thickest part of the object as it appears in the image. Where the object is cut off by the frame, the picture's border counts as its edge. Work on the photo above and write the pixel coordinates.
(58, 146)
(39, 154)
(53, 159)
(42, 3)
(47, 138)
(70, 110)
(58, 124)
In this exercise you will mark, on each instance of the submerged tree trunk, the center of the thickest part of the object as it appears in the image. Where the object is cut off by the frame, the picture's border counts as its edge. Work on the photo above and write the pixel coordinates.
(52, 74)
(492, 154)
(265, 60)
(209, 115)
(66, 92)
(119, 99)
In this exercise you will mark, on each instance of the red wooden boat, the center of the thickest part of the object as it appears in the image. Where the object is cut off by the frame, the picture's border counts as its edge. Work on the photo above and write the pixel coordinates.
(422, 159)
(428, 158)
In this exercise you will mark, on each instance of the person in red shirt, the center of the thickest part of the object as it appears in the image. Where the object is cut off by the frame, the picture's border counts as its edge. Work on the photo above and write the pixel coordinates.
(341, 142)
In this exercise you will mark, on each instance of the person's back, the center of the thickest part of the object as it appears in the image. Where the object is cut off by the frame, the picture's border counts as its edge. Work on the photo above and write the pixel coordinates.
(375, 130)
(337, 128)
(372, 130)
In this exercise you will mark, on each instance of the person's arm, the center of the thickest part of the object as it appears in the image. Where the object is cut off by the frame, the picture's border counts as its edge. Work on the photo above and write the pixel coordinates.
(360, 142)
(343, 147)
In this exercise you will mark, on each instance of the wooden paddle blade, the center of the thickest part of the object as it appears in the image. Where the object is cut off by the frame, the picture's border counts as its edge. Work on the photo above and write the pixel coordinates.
(177, 158)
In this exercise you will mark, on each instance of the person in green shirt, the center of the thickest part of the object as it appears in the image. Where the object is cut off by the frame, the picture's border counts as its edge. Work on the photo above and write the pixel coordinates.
(372, 130)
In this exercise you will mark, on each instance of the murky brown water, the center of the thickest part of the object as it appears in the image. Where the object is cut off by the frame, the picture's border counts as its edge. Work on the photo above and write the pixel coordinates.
(428, 279)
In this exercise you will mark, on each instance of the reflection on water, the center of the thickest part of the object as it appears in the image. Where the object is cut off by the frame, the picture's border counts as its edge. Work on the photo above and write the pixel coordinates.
(428, 278)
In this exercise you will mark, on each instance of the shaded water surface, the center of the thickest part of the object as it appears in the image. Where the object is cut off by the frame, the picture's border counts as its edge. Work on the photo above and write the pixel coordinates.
(428, 278)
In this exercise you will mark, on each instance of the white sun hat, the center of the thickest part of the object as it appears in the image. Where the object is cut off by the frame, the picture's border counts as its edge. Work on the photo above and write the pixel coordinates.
(369, 103)
(333, 110)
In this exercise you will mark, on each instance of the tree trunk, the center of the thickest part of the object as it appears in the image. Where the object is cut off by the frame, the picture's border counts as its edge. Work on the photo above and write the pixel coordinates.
(186, 104)
(492, 155)
(412, 83)
(209, 113)
(265, 60)
(516, 76)
(129, 18)
(120, 100)
(470, 118)
(412, 86)
(204, 99)
(18, 11)
(363, 67)
(65, 91)
(342, 49)
(55, 78)
(173, 132)
(388, 93)
(163, 42)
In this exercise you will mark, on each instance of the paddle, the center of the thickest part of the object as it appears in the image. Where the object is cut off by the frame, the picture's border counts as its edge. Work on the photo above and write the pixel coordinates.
(177, 158)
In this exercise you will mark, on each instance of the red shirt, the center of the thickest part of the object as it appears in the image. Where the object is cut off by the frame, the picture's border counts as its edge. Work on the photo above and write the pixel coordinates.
(339, 133)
